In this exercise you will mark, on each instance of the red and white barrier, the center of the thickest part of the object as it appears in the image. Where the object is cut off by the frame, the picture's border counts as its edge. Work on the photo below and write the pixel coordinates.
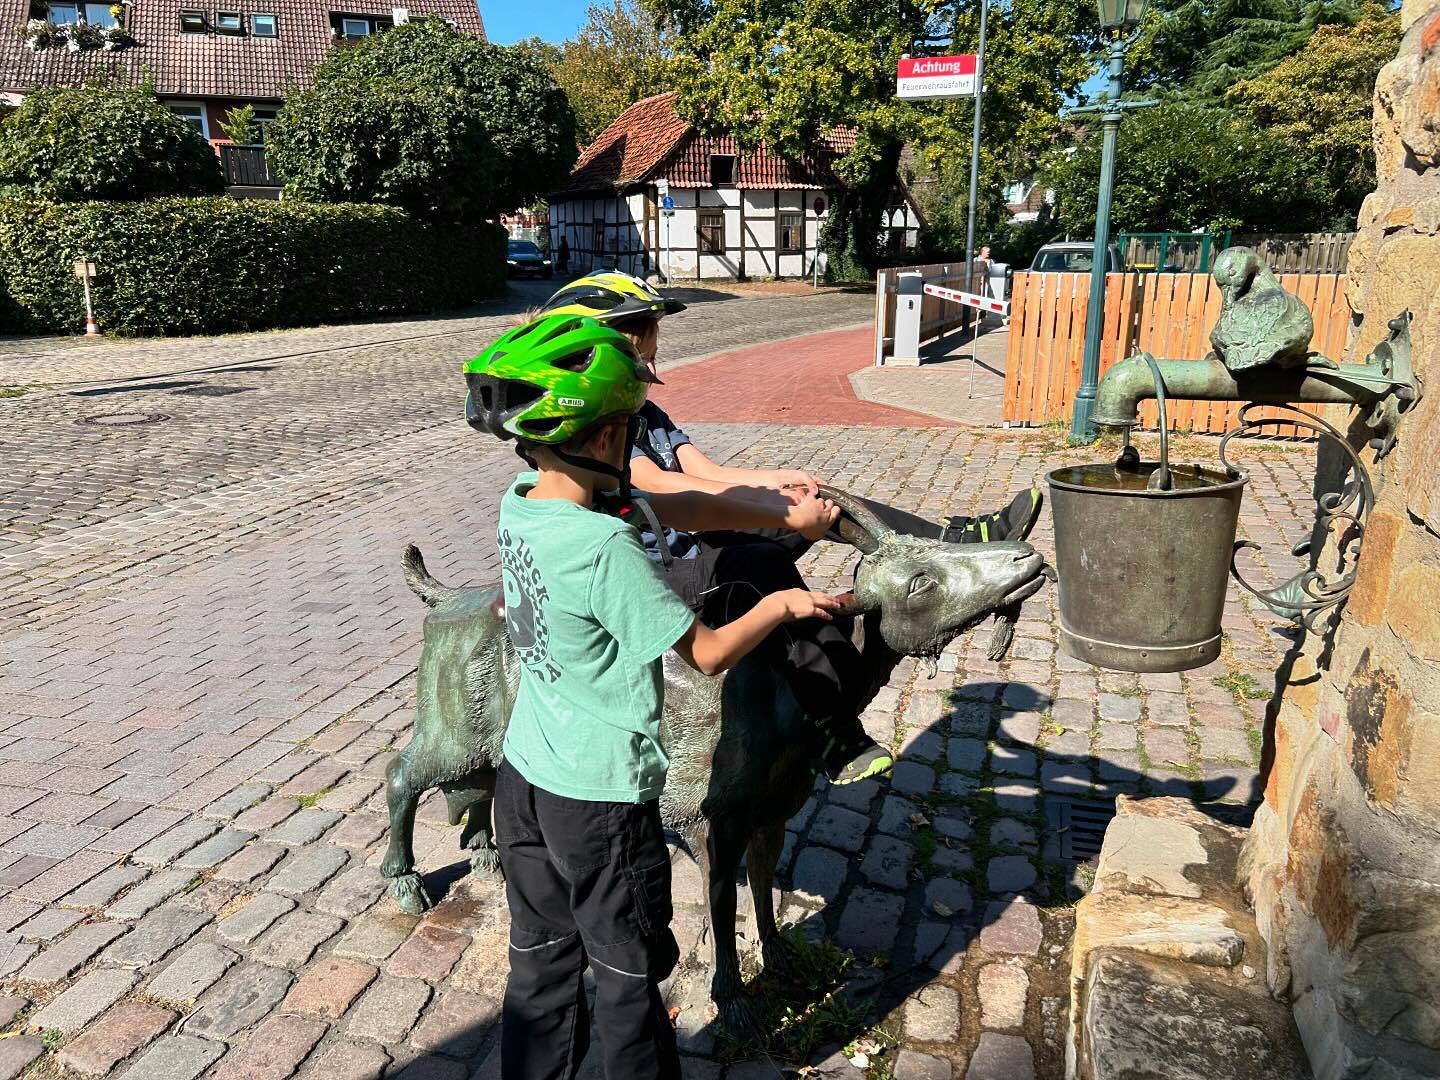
(983, 303)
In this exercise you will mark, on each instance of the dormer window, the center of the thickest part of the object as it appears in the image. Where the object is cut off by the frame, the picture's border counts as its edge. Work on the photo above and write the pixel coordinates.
(264, 26)
(229, 22)
(723, 170)
(193, 22)
(63, 14)
(355, 28)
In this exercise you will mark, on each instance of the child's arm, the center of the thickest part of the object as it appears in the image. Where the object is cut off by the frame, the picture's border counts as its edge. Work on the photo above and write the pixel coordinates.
(712, 651)
(696, 511)
(693, 460)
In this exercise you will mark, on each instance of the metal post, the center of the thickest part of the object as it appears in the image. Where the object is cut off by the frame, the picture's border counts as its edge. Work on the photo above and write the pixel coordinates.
(1081, 430)
(975, 149)
(668, 218)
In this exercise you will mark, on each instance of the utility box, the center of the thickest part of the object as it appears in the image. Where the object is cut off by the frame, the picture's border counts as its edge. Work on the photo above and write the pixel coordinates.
(909, 294)
(1000, 280)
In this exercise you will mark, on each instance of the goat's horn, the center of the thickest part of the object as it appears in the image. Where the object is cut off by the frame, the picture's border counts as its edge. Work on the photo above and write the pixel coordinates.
(856, 536)
(856, 510)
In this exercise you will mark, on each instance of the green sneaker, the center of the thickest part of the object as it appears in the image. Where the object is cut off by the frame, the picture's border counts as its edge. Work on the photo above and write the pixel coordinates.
(872, 761)
(1012, 523)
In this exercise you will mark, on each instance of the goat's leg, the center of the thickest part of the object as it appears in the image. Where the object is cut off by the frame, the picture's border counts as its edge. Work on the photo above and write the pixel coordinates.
(761, 857)
(737, 1019)
(478, 839)
(402, 795)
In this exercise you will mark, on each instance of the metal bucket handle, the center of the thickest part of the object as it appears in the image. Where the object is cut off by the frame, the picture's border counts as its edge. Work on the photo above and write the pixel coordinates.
(1161, 479)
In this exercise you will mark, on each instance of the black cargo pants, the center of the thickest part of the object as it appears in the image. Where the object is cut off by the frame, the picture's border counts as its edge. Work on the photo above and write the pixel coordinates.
(587, 883)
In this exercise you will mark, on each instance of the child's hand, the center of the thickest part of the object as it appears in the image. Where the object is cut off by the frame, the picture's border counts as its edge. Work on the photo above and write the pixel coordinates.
(811, 517)
(804, 604)
(794, 482)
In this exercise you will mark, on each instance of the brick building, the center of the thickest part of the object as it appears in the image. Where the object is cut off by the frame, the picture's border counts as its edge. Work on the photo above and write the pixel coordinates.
(736, 216)
(204, 60)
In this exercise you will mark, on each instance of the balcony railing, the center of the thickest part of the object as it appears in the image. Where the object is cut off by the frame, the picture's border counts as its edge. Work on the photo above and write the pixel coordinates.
(245, 166)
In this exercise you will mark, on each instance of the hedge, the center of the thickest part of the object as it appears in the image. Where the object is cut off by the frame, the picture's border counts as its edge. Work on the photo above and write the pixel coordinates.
(212, 265)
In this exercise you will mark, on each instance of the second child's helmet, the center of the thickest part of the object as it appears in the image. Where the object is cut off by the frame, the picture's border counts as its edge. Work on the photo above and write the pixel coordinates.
(553, 380)
(611, 296)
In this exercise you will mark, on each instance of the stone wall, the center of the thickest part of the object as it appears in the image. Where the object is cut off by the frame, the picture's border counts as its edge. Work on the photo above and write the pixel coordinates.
(1343, 860)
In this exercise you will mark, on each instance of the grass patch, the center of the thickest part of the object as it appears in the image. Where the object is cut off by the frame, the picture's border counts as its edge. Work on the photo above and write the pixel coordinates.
(1125, 691)
(308, 801)
(1257, 744)
(50, 1038)
(16, 391)
(1242, 684)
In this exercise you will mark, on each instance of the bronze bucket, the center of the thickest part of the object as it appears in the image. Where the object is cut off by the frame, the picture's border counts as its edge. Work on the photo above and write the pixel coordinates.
(1143, 556)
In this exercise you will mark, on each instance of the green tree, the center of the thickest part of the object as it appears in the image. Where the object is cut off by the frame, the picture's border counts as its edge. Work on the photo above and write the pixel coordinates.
(1320, 99)
(779, 73)
(102, 143)
(1184, 167)
(458, 126)
(623, 53)
(1200, 48)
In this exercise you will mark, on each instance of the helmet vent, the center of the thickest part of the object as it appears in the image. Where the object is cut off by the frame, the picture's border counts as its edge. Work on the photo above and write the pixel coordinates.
(577, 362)
(519, 394)
(542, 425)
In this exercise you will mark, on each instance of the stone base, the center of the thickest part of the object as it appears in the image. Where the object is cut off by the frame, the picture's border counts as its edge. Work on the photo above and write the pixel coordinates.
(1166, 962)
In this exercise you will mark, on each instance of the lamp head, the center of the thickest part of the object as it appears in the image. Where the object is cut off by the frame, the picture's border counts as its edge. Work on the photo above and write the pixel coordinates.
(1121, 14)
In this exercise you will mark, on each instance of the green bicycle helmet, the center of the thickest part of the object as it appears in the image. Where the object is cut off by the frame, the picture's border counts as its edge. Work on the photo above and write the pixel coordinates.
(554, 380)
(611, 296)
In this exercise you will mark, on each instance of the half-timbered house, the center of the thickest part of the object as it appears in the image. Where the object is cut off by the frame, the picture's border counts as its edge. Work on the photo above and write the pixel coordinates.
(735, 215)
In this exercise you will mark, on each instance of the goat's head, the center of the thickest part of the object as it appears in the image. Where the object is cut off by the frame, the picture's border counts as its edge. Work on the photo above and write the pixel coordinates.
(928, 591)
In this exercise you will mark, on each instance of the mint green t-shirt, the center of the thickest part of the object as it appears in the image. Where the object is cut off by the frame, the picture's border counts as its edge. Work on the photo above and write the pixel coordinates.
(590, 619)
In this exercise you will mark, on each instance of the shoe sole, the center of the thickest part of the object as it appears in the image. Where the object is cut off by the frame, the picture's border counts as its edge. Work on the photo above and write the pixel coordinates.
(875, 768)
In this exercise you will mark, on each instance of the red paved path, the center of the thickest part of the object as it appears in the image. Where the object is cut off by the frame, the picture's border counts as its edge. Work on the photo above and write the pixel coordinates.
(799, 381)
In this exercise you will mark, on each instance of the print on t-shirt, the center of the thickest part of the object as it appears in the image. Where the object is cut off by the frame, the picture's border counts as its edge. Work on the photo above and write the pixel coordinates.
(525, 598)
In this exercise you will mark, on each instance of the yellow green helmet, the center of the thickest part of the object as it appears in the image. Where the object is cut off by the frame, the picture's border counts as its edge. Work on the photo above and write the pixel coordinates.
(611, 296)
(553, 380)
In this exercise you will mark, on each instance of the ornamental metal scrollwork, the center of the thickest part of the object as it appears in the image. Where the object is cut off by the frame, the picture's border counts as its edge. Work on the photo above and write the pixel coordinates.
(1310, 594)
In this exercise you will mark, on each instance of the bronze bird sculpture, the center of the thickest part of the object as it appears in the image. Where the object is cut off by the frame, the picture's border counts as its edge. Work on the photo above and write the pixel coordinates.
(1260, 323)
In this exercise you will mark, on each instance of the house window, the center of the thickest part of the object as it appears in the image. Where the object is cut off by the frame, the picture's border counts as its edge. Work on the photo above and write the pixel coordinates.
(194, 115)
(63, 14)
(193, 22)
(723, 169)
(263, 119)
(99, 15)
(229, 22)
(710, 232)
(599, 247)
(792, 233)
(354, 28)
(264, 26)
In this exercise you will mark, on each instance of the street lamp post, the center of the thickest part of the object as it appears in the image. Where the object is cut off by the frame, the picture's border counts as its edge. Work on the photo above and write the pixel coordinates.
(1117, 16)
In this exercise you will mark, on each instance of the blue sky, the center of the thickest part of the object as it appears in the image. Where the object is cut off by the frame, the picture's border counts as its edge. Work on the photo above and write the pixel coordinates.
(507, 21)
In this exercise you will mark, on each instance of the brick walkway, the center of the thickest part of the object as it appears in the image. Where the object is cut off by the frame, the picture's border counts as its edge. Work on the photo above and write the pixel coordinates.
(207, 656)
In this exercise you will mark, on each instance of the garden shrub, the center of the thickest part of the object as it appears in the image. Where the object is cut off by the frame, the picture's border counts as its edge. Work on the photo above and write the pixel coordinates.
(102, 142)
(199, 266)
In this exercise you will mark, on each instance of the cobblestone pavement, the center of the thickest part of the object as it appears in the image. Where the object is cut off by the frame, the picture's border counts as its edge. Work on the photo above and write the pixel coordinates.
(207, 657)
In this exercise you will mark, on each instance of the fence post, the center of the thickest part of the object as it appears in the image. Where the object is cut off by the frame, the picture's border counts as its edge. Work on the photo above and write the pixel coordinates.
(880, 313)
(909, 292)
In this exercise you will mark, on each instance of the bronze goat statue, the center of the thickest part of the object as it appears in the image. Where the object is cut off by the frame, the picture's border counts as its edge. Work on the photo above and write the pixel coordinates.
(743, 756)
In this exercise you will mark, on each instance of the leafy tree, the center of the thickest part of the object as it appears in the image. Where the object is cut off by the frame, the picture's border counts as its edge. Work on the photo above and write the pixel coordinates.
(240, 127)
(1319, 98)
(781, 72)
(1200, 48)
(623, 53)
(102, 143)
(458, 126)
(1183, 167)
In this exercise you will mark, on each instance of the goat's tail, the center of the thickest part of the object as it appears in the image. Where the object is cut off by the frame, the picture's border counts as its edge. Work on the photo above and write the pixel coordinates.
(421, 583)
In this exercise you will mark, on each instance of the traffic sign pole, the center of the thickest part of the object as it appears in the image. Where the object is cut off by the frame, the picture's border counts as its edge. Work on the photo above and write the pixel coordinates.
(975, 151)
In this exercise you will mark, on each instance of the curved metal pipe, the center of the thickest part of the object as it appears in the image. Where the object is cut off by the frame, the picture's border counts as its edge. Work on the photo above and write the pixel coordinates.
(1126, 384)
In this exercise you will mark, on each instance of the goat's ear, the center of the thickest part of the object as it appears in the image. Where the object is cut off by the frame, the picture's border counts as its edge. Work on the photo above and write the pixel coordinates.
(856, 536)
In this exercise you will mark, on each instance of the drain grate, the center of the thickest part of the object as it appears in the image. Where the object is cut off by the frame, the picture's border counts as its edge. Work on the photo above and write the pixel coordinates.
(213, 391)
(124, 419)
(1079, 825)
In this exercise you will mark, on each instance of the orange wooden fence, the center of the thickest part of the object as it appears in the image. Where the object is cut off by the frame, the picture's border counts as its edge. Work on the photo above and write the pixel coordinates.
(1167, 315)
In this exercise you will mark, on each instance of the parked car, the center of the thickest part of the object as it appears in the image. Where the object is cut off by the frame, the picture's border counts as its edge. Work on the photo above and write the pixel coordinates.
(1074, 256)
(524, 257)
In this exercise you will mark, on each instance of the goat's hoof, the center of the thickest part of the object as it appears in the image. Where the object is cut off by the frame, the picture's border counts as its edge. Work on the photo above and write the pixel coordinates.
(485, 865)
(739, 1024)
(777, 955)
(409, 893)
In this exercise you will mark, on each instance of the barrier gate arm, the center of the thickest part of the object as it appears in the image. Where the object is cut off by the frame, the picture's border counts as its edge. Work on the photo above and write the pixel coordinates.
(983, 303)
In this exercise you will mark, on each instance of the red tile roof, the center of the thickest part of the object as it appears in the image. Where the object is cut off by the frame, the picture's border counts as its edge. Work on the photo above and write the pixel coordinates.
(649, 140)
(207, 65)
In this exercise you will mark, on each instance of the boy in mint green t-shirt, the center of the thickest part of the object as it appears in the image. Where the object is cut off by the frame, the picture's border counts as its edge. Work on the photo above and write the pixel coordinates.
(577, 817)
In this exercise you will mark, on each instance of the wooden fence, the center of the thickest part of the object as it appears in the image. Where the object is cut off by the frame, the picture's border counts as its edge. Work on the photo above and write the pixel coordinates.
(1299, 253)
(1167, 315)
(936, 316)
